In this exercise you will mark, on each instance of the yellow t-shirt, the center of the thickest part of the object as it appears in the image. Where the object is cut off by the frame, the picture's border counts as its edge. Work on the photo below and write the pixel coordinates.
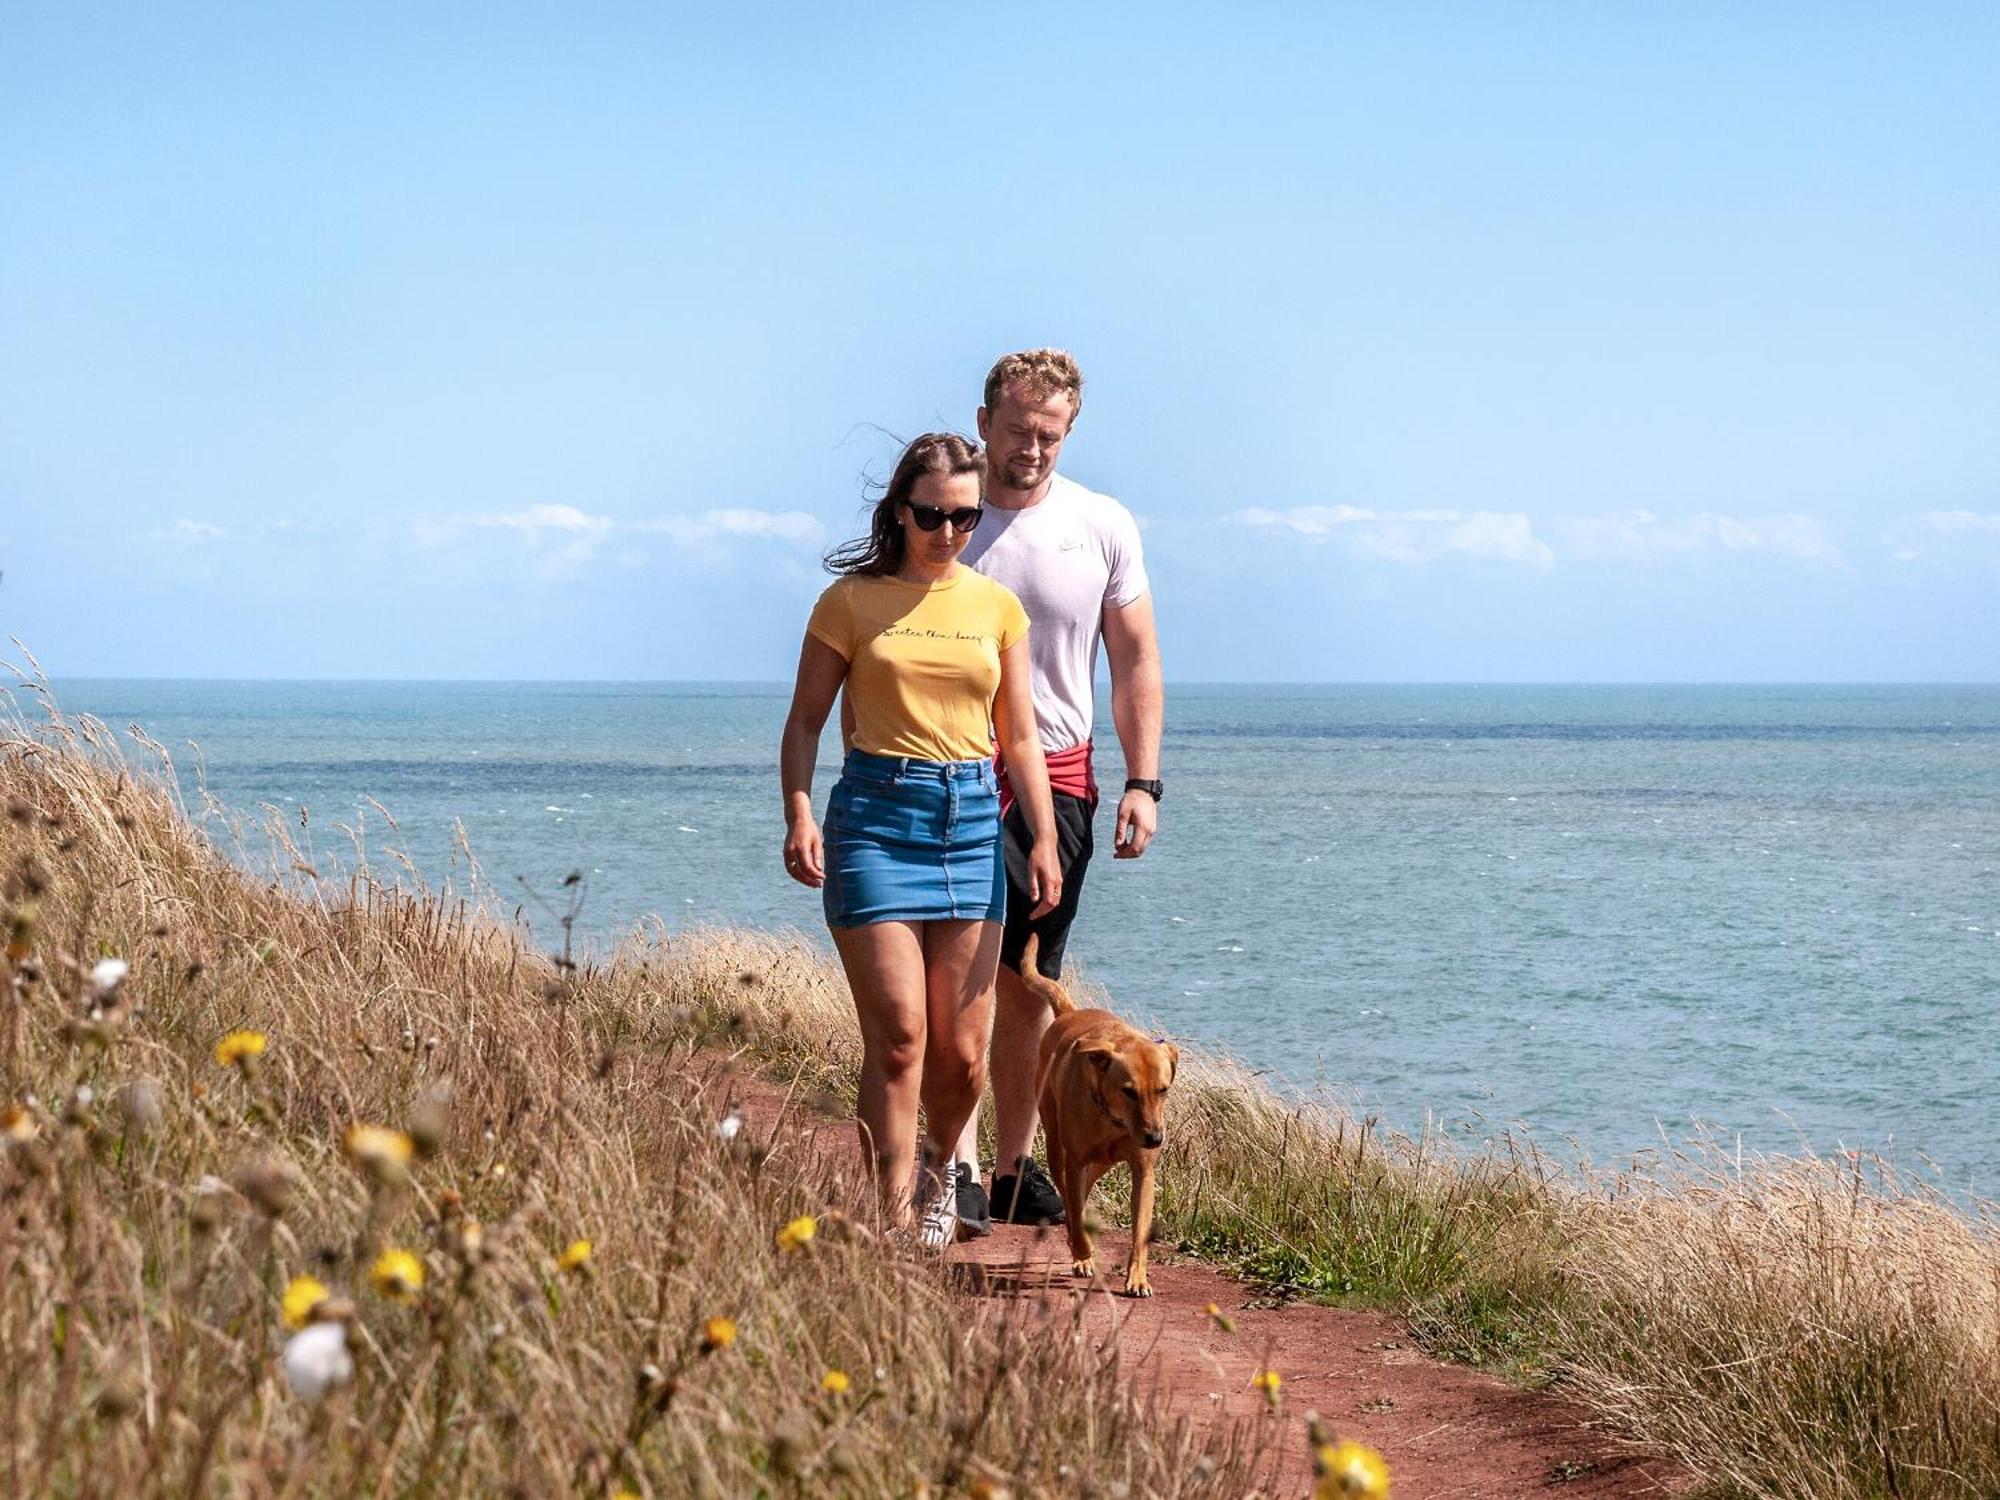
(923, 660)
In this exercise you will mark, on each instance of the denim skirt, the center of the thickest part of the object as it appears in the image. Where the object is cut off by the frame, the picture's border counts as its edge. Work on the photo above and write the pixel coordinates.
(913, 841)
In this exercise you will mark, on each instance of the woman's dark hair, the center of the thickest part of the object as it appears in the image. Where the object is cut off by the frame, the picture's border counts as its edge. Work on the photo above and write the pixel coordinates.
(881, 550)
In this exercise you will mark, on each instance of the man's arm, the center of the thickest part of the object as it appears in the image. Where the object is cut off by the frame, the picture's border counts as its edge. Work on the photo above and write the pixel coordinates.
(1138, 701)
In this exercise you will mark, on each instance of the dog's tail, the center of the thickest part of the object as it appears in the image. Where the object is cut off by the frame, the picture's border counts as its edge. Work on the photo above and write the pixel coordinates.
(1046, 989)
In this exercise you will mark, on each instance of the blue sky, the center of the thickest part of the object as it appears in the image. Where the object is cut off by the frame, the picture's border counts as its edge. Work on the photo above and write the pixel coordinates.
(1533, 341)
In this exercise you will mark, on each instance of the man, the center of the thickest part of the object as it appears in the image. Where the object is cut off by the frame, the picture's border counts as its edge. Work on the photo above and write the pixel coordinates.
(1074, 559)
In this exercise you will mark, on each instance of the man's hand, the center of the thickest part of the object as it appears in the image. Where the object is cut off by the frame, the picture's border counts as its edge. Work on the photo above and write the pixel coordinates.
(1138, 820)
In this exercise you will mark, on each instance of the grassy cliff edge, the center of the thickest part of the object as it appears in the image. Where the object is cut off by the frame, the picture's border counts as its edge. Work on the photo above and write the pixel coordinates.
(1795, 1327)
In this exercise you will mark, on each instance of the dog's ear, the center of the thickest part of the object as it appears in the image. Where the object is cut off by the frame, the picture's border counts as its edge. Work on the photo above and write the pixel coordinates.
(1173, 1062)
(1099, 1053)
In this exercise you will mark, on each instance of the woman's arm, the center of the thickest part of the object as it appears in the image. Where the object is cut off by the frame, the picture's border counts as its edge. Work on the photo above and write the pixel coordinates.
(1021, 749)
(821, 672)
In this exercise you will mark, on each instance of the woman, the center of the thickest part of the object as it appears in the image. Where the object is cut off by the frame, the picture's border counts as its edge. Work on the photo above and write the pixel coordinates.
(934, 658)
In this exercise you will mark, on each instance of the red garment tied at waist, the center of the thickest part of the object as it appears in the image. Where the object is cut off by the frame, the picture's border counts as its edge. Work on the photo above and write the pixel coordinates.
(1070, 771)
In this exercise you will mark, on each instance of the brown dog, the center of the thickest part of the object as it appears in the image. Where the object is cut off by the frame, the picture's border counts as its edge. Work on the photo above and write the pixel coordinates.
(1103, 1088)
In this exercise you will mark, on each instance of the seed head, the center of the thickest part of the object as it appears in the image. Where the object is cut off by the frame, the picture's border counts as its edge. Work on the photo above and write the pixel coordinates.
(316, 1360)
(789, 1443)
(105, 977)
(430, 1118)
(656, 1387)
(119, 1398)
(268, 1184)
(143, 1103)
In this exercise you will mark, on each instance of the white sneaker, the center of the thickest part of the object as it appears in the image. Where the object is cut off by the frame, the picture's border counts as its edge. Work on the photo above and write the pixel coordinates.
(936, 1202)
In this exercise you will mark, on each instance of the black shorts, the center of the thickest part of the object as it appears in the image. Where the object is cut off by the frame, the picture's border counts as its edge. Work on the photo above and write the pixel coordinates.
(1075, 842)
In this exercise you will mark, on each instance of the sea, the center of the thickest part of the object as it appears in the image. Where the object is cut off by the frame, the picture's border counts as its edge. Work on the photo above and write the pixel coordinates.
(1609, 919)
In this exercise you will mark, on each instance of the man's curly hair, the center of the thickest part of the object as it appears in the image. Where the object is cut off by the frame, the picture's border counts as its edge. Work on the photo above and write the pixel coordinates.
(1040, 374)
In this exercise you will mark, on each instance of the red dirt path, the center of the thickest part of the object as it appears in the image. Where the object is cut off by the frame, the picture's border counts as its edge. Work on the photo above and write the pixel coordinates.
(1446, 1431)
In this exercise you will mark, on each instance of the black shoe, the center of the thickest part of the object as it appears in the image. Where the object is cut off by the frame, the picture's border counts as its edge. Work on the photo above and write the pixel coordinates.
(975, 1221)
(1027, 1197)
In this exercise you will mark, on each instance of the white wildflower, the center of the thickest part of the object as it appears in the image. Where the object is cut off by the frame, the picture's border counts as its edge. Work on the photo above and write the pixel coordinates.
(316, 1360)
(729, 1126)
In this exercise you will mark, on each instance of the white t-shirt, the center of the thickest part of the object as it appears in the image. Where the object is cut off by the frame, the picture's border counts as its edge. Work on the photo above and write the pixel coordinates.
(1067, 557)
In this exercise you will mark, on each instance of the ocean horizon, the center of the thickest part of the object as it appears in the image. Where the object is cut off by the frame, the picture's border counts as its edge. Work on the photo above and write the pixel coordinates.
(1608, 914)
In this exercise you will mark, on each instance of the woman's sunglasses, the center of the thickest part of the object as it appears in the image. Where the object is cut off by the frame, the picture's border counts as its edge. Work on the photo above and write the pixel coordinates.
(930, 518)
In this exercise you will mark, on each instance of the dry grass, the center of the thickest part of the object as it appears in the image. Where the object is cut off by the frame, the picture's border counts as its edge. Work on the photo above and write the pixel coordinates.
(1786, 1327)
(159, 1202)
(1799, 1328)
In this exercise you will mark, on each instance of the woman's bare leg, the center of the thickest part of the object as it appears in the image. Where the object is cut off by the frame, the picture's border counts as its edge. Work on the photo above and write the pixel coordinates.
(959, 960)
(887, 971)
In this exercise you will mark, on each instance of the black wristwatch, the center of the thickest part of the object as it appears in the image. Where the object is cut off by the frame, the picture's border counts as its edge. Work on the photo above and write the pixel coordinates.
(1154, 789)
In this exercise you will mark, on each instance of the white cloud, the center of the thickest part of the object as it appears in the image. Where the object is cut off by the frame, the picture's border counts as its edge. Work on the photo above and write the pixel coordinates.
(564, 541)
(1951, 522)
(186, 531)
(561, 539)
(1641, 535)
(1410, 537)
(539, 518)
(560, 533)
(1946, 539)
(1416, 537)
(719, 525)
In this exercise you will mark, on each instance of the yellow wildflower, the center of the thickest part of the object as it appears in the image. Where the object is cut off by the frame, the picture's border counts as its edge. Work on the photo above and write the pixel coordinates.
(236, 1049)
(1222, 1319)
(796, 1235)
(370, 1144)
(397, 1275)
(302, 1296)
(1349, 1471)
(834, 1382)
(1269, 1382)
(380, 1152)
(575, 1257)
(20, 932)
(717, 1333)
(17, 1126)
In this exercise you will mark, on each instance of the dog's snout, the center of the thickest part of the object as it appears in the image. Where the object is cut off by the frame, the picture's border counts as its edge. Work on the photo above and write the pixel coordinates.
(1151, 1138)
